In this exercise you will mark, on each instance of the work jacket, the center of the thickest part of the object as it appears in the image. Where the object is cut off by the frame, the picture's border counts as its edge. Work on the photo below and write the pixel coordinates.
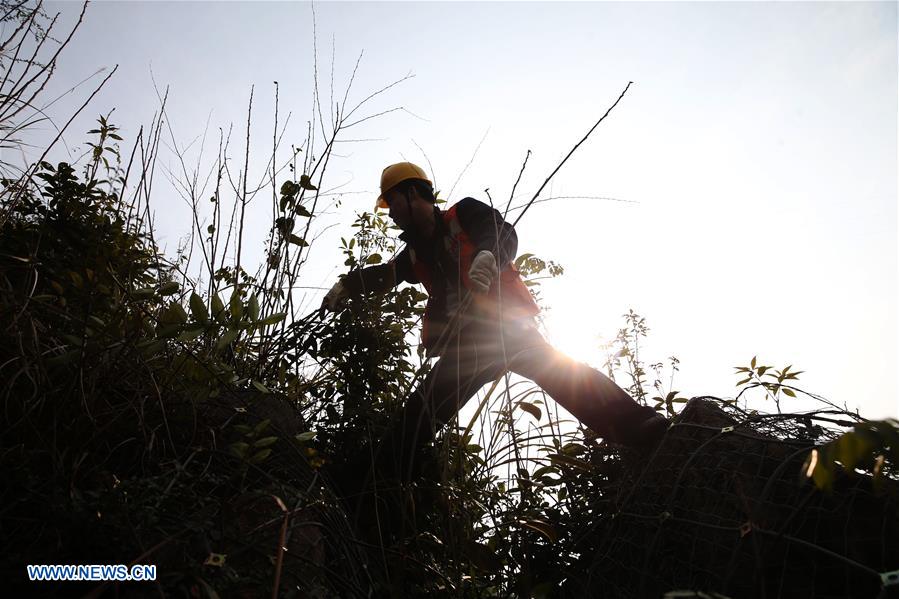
(441, 264)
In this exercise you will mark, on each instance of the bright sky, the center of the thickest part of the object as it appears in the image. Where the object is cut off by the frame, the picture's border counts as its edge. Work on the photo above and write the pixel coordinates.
(756, 151)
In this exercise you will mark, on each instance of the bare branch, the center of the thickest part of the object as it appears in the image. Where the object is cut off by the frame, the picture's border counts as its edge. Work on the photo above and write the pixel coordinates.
(520, 173)
(576, 146)
(380, 91)
(470, 161)
(602, 198)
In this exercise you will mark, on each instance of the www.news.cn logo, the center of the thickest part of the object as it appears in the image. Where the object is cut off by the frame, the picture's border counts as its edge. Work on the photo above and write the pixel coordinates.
(118, 573)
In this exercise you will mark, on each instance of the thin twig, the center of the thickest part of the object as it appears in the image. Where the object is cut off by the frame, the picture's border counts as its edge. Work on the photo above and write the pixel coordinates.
(567, 156)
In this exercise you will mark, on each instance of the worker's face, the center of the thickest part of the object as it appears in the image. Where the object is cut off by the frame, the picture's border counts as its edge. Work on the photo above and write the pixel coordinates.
(409, 213)
(398, 208)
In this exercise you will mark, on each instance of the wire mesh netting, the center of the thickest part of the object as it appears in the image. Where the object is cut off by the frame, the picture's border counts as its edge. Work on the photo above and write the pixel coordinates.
(722, 506)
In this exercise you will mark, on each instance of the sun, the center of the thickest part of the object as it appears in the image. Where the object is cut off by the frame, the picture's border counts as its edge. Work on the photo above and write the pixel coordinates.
(574, 337)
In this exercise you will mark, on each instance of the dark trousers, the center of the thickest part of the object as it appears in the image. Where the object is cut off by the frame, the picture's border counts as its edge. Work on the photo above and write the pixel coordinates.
(479, 354)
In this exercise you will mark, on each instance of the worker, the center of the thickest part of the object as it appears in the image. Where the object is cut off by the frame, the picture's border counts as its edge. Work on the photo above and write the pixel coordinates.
(479, 320)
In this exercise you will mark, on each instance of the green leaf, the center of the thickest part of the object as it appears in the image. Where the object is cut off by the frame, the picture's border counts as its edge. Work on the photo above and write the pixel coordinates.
(261, 387)
(542, 527)
(169, 288)
(239, 448)
(148, 326)
(297, 240)
(253, 308)
(289, 188)
(236, 306)
(519, 261)
(305, 437)
(851, 448)
(744, 381)
(167, 331)
(559, 458)
(530, 409)
(262, 426)
(306, 183)
(176, 313)
(143, 293)
(543, 470)
(301, 211)
(573, 449)
(218, 309)
(198, 308)
(264, 442)
(373, 259)
(190, 333)
(274, 318)
(226, 339)
(789, 391)
(260, 456)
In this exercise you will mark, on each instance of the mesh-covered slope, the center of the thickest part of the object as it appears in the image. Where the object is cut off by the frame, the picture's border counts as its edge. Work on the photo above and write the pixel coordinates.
(721, 507)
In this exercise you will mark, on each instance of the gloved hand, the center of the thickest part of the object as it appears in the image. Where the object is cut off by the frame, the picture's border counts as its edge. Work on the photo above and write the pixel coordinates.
(335, 298)
(482, 272)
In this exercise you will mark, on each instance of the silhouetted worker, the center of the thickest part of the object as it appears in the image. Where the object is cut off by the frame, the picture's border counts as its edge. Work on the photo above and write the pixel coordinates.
(479, 320)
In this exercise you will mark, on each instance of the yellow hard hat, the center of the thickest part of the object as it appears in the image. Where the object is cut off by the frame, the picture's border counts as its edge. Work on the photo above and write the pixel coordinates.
(395, 174)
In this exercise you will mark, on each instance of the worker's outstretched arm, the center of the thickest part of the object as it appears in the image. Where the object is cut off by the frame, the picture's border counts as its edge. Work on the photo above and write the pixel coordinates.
(372, 279)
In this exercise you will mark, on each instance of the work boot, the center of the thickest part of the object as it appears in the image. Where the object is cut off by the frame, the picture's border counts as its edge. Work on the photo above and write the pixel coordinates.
(635, 426)
(650, 433)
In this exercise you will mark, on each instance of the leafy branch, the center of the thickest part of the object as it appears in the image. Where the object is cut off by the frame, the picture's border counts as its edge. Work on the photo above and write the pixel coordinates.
(769, 379)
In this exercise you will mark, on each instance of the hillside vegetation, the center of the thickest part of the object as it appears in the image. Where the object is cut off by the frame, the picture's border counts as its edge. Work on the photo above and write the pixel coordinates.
(195, 418)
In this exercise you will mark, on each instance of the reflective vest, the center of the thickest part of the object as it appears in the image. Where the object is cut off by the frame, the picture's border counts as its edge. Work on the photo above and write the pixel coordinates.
(508, 297)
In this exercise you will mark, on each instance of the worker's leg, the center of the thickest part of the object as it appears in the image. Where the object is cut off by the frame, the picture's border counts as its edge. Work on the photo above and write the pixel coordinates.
(465, 365)
(590, 396)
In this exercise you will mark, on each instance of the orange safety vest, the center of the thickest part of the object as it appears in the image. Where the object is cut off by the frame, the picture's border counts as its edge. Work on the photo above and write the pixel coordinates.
(508, 297)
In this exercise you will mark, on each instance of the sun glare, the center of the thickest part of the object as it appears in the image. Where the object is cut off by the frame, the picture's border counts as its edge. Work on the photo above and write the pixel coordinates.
(575, 338)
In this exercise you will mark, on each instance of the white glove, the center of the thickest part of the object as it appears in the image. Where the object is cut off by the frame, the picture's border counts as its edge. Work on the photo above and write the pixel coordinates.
(482, 272)
(335, 298)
